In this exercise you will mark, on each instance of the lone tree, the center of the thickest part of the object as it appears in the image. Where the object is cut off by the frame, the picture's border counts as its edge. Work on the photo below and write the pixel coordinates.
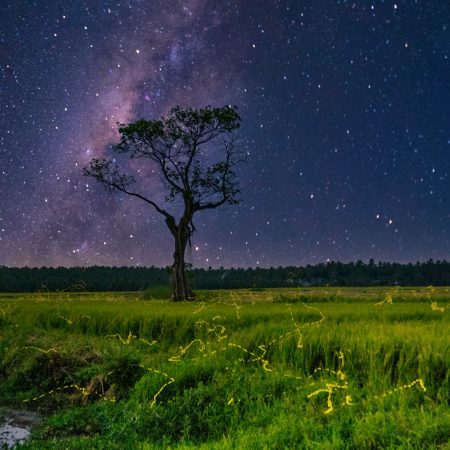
(194, 152)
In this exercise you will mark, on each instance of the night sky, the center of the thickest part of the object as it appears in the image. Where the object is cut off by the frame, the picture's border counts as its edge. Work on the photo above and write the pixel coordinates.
(345, 110)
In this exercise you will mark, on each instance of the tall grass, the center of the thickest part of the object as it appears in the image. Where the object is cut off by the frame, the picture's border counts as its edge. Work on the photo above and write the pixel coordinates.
(241, 369)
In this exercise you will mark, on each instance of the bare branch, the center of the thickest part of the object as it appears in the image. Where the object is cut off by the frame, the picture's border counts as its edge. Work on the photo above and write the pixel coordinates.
(108, 174)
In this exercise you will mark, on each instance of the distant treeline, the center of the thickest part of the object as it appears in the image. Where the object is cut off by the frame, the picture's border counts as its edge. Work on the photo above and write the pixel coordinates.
(99, 278)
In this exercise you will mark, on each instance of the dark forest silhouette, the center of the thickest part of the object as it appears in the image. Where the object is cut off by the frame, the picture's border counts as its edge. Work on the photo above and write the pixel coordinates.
(99, 278)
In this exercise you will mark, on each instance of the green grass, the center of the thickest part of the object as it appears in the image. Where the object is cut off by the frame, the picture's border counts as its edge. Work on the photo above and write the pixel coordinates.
(278, 368)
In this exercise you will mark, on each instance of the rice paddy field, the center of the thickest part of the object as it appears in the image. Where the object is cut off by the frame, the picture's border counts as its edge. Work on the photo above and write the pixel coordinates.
(318, 368)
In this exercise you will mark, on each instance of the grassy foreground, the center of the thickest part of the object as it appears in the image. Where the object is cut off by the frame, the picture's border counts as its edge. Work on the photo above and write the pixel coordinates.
(282, 368)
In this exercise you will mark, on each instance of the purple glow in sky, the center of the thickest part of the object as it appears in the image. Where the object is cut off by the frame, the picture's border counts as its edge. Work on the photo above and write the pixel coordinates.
(344, 111)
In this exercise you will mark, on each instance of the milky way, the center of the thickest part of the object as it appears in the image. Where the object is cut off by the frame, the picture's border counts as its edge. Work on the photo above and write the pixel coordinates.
(345, 115)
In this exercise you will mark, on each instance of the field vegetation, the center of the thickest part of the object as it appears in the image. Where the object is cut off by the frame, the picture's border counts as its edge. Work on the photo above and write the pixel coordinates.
(247, 369)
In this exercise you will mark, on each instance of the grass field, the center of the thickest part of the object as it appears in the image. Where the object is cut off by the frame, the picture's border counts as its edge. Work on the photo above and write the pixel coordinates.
(321, 368)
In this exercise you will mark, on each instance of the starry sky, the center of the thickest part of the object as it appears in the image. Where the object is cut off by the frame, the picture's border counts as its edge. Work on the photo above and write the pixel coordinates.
(345, 109)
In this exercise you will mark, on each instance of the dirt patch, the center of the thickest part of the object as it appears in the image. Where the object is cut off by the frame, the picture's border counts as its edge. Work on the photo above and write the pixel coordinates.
(15, 426)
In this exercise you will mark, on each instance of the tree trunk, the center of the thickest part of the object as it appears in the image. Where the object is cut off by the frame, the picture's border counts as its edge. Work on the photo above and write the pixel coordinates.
(180, 286)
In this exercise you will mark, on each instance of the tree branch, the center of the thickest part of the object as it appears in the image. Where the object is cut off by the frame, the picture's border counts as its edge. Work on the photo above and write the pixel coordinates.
(150, 202)
(103, 171)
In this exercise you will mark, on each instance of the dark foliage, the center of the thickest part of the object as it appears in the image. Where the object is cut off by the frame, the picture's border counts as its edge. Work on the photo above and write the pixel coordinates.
(99, 279)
